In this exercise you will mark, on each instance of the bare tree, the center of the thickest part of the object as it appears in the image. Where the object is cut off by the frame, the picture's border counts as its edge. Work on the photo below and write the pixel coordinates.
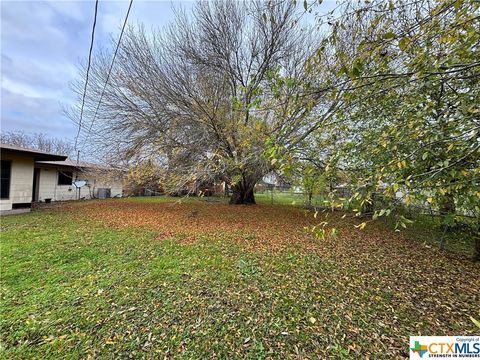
(37, 141)
(209, 95)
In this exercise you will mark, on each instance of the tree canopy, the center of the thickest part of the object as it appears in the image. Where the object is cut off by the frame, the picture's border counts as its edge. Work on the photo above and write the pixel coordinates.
(208, 95)
(38, 141)
(409, 126)
(381, 94)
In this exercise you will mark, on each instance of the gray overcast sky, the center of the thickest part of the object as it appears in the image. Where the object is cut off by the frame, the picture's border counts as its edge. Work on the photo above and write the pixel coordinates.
(42, 43)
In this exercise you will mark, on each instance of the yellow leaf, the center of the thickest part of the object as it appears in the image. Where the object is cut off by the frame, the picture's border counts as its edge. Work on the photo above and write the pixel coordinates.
(476, 322)
(361, 226)
(408, 199)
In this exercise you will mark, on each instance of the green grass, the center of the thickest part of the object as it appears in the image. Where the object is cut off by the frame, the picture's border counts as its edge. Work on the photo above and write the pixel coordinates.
(286, 198)
(74, 286)
(430, 230)
(266, 197)
(91, 291)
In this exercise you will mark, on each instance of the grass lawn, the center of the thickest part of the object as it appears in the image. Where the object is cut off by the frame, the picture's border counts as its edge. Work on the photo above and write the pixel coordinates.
(287, 198)
(159, 278)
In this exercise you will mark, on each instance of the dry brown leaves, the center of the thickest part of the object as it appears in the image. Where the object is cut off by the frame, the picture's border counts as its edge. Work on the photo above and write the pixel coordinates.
(397, 286)
(263, 227)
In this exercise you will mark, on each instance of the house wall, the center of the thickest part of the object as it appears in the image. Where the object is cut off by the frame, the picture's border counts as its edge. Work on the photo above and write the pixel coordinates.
(21, 180)
(49, 188)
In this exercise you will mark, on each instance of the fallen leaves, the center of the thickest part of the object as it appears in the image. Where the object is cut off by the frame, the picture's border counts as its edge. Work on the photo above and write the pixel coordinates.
(232, 281)
(265, 227)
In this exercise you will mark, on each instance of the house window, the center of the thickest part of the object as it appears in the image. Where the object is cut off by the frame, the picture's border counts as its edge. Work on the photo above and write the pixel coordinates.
(5, 179)
(65, 178)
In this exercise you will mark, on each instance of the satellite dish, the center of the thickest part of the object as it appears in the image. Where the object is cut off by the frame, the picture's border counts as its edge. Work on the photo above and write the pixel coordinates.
(79, 183)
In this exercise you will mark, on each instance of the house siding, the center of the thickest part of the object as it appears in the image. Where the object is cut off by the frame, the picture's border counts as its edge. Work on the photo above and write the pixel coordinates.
(49, 188)
(47, 178)
(21, 181)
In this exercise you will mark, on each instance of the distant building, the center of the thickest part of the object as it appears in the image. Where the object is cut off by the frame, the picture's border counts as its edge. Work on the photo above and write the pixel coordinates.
(273, 181)
(204, 188)
(36, 176)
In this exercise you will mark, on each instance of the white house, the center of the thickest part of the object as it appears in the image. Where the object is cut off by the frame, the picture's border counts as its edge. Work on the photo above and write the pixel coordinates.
(35, 176)
(57, 179)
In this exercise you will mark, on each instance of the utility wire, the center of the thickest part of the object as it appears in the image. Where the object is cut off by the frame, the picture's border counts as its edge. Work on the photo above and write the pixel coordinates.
(109, 72)
(88, 70)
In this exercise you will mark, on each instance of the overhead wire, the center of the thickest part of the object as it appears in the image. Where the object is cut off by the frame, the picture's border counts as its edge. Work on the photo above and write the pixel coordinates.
(87, 74)
(109, 72)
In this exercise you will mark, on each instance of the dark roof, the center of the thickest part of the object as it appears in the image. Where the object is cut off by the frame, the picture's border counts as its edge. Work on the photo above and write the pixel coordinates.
(37, 155)
(73, 163)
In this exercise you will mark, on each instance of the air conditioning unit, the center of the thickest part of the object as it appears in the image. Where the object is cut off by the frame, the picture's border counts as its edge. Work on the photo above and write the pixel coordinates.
(104, 193)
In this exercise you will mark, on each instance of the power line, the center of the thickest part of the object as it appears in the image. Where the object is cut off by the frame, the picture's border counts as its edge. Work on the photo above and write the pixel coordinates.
(88, 70)
(109, 71)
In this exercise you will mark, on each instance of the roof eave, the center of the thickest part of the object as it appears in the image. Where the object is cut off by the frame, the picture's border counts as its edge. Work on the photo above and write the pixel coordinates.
(36, 156)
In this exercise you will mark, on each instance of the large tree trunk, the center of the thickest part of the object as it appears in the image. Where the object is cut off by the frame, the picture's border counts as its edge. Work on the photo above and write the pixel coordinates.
(242, 194)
